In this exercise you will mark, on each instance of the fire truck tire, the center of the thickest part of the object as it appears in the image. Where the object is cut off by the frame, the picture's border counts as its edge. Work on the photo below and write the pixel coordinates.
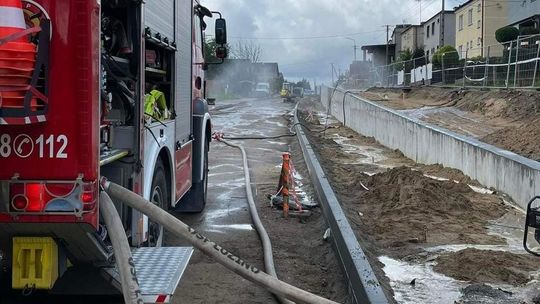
(160, 197)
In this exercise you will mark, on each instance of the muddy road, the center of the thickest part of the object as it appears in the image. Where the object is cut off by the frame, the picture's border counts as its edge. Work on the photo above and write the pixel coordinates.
(301, 256)
(432, 234)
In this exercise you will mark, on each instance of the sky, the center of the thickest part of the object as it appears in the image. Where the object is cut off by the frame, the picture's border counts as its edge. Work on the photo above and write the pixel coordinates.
(306, 36)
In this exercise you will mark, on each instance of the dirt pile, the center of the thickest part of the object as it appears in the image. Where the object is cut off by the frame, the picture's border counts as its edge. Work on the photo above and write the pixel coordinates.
(506, 119)
(405, 207)
(487, 266)
(508, 105)
(523, 140)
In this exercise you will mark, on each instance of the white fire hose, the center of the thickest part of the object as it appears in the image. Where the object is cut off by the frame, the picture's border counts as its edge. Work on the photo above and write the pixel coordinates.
(220, 254)
(122, 251)
(265, 239)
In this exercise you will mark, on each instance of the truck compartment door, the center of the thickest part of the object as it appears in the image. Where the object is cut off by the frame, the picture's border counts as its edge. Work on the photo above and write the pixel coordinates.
(159, 17)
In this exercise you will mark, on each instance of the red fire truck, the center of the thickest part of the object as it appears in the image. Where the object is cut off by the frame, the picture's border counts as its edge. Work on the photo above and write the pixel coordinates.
(92, 88)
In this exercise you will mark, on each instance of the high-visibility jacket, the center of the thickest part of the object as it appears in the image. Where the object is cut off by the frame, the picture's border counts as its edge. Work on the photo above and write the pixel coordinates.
(155, 105)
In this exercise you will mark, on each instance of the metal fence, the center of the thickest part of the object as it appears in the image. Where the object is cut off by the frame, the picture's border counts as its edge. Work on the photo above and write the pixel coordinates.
(514, 64)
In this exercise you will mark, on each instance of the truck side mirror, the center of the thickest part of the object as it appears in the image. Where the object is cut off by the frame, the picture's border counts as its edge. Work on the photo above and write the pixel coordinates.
(221, 52)
(221, 31)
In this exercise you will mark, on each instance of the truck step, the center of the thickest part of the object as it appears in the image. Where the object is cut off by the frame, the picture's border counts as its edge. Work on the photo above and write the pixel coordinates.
(159, 270)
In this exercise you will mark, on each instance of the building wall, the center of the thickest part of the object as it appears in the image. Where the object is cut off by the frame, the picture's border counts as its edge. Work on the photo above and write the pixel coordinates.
(396, 39)
(412, 38)
(449, 28)
(517, 11)
(432, 43)
(419, 36)
(496, 16)
(407, 40)
(469, 30)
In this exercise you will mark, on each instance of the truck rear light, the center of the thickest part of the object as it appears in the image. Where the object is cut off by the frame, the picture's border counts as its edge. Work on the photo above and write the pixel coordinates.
(36, 197)
(47, 197)
(19, 202)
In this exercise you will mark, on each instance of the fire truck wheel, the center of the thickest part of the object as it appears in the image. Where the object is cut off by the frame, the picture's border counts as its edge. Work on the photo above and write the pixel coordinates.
(158, 196)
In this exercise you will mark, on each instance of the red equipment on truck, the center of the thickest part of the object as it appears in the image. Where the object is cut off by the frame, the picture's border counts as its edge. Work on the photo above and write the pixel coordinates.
(111, 88)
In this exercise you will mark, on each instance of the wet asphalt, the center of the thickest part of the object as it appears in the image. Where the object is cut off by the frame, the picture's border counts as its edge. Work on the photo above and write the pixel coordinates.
(226, 219)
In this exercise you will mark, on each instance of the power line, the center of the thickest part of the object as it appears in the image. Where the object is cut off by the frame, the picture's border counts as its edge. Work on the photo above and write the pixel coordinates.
(306, 37)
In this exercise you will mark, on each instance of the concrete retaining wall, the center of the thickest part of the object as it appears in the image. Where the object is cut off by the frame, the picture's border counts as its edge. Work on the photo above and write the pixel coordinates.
(505, 171)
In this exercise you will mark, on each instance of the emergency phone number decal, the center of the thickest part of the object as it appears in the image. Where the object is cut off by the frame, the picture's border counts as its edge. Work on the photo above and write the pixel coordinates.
(23, 146)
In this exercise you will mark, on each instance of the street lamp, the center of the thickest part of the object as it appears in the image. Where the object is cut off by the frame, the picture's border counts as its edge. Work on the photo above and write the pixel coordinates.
(355, 47)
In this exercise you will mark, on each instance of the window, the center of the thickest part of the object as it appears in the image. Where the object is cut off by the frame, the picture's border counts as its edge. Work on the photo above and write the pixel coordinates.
(460, 23)
(479, 24)
(428, 31)
(479, 9)
(433, 28)
(470, 17)
(471, 44)
(460, 49)
(479, 41)
(427, 53)
(467, 45)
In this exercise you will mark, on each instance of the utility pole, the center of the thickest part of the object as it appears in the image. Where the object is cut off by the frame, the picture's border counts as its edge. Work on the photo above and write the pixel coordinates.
(420, 3)
(354, 46)
(387, 32)
(442, 25)
(332, 73)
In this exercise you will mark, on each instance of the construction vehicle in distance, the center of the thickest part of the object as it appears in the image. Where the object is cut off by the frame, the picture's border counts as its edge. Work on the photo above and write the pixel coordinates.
(298, 92)
(91, 89)
(286, 92)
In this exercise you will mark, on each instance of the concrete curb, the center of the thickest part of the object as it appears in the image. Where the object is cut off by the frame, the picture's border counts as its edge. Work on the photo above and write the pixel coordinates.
(363, 283)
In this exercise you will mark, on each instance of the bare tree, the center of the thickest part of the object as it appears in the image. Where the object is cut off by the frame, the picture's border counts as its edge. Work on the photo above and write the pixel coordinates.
(247, 50)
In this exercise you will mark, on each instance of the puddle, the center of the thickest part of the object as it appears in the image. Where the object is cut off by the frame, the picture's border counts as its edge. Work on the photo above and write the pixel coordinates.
(301, 194)
(215, 217)
(430, 286)
(367, 155)
(510, 227)
(221, 228)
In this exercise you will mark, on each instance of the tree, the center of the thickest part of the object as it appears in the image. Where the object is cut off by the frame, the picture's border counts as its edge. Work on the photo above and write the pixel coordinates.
(448, 53)
(210, 50)
(419, 57)
(506, 34)
(405, 55)
(304, 83)
(247, 50)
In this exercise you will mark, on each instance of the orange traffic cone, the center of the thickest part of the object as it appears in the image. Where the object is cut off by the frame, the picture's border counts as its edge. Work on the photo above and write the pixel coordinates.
(17, 56)
(12, 19)
(285, 183)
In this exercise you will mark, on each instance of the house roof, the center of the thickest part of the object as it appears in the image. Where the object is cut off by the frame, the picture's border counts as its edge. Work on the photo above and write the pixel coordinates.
(377, 47)
(446, 12)
(463, 5)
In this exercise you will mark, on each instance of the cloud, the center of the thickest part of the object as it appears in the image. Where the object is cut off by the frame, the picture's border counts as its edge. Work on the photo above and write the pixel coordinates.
(364, 20)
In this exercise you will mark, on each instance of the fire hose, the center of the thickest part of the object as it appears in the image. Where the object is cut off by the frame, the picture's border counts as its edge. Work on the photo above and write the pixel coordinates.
(265, 239)
(122, 251)
(220, 254)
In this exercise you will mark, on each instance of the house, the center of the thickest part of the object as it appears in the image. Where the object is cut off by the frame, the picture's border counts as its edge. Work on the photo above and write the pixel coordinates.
(396, 38)
(476, 23)
(524, 13)
(412, 38)
(432, 32)
(377, 53)
(240, 76)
